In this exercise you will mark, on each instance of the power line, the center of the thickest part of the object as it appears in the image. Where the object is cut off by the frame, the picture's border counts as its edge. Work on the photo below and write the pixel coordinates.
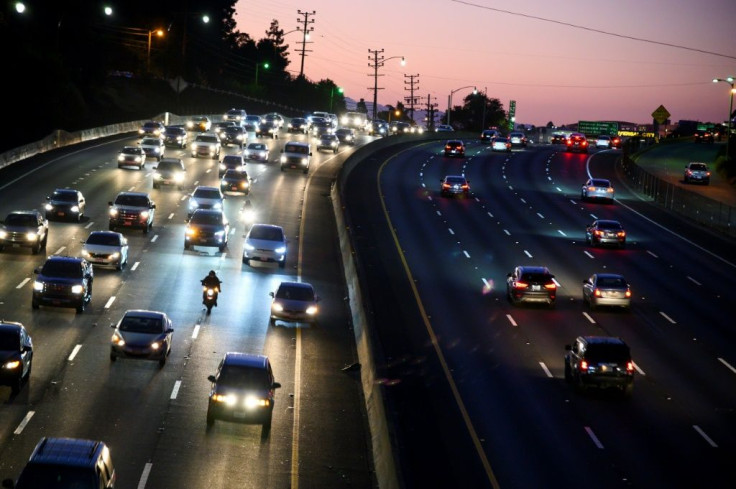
(412, 86)
(377, 63)
(305, 32)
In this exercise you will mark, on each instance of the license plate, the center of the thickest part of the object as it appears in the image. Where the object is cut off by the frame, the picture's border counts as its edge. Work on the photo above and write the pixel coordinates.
(536, 287)
(240, 414)
(61, 213)
(127, 223)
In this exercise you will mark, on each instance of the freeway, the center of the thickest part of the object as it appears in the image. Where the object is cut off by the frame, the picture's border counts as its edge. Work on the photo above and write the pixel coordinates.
(154, 419)
(476, 386)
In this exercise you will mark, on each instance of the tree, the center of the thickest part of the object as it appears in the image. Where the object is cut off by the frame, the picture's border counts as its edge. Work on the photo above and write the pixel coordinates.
(361, 106)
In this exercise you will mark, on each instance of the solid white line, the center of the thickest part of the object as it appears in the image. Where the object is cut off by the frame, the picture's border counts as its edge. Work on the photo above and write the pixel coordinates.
(109, 302)
(706, 437)
(23, 423)
(587, 316)
(451, 231)
(558, 189)
(89, 225)
(728, 365)
(429, 197)
(171, 216)
(546, 370)
(23, 282)
(175, 391)
(528, 254)
(58, 252)
(694, 281)
(144, 475)
(153, 240)
(667, 317)
(652, 253)
(638, 369)
(511, 320)
(466, 254)
(135, 265)
(195, 333)
(507, 232)
(561, 232)
(590, 255)
(593, 437)
(74, 353)
(540, 215)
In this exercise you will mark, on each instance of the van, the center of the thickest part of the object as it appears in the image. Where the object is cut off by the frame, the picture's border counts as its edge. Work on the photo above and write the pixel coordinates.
(296, 155)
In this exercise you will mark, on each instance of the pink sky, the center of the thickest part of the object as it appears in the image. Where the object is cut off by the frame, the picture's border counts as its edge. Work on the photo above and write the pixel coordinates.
(554, 72)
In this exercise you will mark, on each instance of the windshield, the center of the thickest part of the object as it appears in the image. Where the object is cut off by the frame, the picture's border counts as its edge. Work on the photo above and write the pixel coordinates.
(9, 341)
(607, 353)
(235, 175)
(207, 139)
(267, 233)
(174, 131)
(233, 160)
(168, 166)
(151, 142)
(132, 200)
(107, 239)
(295, 293)
(141, 324)
(257, 146)
(292, 148)
(698, 167)
(45, 476)
(208, 218)
(21, 220)
(63, 196)
(244, 377)
(131, 151)
(204, 193)
(62, 269)
(612, 282)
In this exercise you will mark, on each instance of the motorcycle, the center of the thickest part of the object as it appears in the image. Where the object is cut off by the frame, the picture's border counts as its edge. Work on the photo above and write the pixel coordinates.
(209, 297)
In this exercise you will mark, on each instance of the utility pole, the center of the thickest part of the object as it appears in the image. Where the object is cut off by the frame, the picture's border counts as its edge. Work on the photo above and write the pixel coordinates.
(306, 29)
(377, 62)
(411, 85)
(431, 107)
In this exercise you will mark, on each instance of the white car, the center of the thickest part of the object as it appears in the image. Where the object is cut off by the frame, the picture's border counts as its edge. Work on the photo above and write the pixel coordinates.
(294, 302)
(256, 152)
(153, 147)
(597, 188)
(266, 243)
(501, 144)
(205, 198)
(106, 248)
(206, 145)
(603, 142)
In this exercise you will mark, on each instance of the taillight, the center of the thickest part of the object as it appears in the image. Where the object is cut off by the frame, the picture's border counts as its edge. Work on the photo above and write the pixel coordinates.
(569, 142)
(465, 186)
(445, 185)
(597, 293)
(627, 293)
(630, 367)
(520, 285)
(584, 143)
(551, 286)
(621, 234)
(583, 365)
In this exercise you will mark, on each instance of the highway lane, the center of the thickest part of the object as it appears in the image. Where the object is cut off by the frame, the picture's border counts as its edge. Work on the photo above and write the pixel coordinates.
(153, 418)
(506, 363)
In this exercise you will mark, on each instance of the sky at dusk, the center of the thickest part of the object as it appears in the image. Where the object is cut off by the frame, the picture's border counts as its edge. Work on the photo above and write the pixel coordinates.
(553, 70)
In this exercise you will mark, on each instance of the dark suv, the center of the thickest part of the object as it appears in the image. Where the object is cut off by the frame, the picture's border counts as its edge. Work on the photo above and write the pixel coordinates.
(132, 210)
(531, 284)
(455, 148)
(16, 355)
(600, 361)
(29, 229)
(243, 390)
(67, 462)
(64, 281)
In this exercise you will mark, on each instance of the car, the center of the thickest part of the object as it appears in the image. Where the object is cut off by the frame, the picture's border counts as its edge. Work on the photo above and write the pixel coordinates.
(267, 129)
(557, 138)
(454, 185)
(132, 210)
(488, 135)
(63, 281)
(132, 156)
(231, 162)
(65, 203)
(317, 115)
(346, 135)
(243, 390)
(219, 127)
(276, 119)
(296, 155)
(401, 127)
(603, 141)
(454, 147)
(417, 129)
(151, 129)
(576, 142)
(256, 152)
(444, 128)
(597, 188)
(600, 361)
(206, 144)
(501, 144)
(330, 142)
(606, 289)
(169, 171)
(236, 116)
(235, 181)
(696, 172)
(207, 227)
(16, 355)
(199, 124)
(106, 248)
(24, 229)
(615, 142)
(251, 122)
(298, 124)
(294, 302)
(265, 243)
(703, 136)
(235, 135)
(605, 231)
(176, 136)
(204, 197)
(517, 138)
(142, 335)
(67, 463)
(320, 127)
(378, 128)
(353, 120)
(531, 284)
(152, 147)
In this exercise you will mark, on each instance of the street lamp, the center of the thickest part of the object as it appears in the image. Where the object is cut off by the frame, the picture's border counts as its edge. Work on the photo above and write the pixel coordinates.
(265, 67)
(730, 81)
(377, 63)
(449, 99)
(159, 33)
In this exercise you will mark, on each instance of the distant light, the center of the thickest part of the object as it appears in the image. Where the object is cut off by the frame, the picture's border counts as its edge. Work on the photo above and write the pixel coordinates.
(108, 10)
(20, 7)
(306, 36)
(403, 61)
(206, 19)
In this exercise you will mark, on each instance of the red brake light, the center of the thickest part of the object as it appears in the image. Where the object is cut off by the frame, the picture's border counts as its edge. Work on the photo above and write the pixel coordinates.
(597, 293)
(551, 286)
(629, 366)
(445, 185)
(521, 285)
(583, 365)
(621, 234)
(628, 293)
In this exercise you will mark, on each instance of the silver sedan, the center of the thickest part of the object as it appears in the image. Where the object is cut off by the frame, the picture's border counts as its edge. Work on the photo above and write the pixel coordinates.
(607, 289)
(597, 188)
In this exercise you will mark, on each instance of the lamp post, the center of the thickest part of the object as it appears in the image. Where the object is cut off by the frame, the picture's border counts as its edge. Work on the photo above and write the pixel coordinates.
(332, 92)
(485, 103)
(378, 62)
(449, 99)
(159, 33)
(265, 67)
(730, 80)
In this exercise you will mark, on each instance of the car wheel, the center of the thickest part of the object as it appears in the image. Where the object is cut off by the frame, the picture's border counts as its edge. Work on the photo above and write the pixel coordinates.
(187, 245)
(592, 304)
(267, 426)
(162, 361)
(222, 248)
(271, 321)
(34, 304)
(147, 228)
(113, 357)
(210, 419)
(120, 265)
(155, 185)
(111, 227)
(246, 261)
(36, 249)
(16, 386)
(80, 307)
(282, 168)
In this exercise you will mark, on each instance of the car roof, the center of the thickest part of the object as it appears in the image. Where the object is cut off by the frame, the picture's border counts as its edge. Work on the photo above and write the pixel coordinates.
(78, 259)
(66, 451)
(603, 340)
(245, 360)
(259, 225)
(105, 232)
(134, 194)
(144, 313)
(212, 212)
(9, 326)
(233, 171)
(533, 269)
(608, 222)
(601, 182)
(296, 285)
(609, 275)
(205, 187)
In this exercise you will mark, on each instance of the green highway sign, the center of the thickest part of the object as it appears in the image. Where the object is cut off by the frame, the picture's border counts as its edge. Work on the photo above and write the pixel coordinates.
(595, 128)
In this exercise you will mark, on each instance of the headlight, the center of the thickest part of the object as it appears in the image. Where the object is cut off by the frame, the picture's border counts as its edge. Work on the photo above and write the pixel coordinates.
(305, 161)
(113, 212)
(263, 154)
(280, 249)
(144, 214)
(75, 208)
(312, 310)
(276, 306)
(38, 285)
(31, 236)
(115, 255)
(85, 252)
(156, 176)
(138, 159)
(252, 402)
(190, 231)
(12, 365)
(190, 124)
(179, 177)
(48, 207)
(220, 234)
(239, 137)
(140, 131)
(155, 345)
(228, 399)
(121, 158)
(195, 145)
(283, 159)
(77, 289)
(193, 204)
(217, 205)
(156, 150)
(3, 234)
(244, 184)
(117, 339)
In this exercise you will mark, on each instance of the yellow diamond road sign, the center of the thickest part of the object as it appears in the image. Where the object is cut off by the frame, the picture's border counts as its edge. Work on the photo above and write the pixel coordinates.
(661, 114)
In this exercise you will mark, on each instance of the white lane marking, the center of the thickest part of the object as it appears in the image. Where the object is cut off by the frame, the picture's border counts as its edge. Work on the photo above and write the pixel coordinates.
(489, 214)
(706, 437)
(58, 252)
(587, 316)
(507, 232)
(424, 185)
(561, 232)
(208, 170)
(196, 182)
(694, 281)
(153, 240)
(109, 302)
(171, 216)
(24, 422)
(89, 225)
(593, 437)
(558, 189)
(175, 391)
(594, 216)
(540, 215)
(477, 199)
(144, 475)
(135, 265)
(438, 213)
(572, 201)
(652, 253)
(728, 365)
(638, 369)
(556, 282)
(429, 197)
(523, 201)
(23, 282)
(485, 283)
(511, 320)
(546, 370)
(195, 333)
(131, 188)
(466, 254)
(451, 231)
(528, 254)
(74, 353)
(184, 197)
(590, 255)
(667, 317)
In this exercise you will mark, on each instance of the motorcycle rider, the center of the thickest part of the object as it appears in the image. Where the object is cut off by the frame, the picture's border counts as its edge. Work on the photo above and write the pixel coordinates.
(213, 282)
